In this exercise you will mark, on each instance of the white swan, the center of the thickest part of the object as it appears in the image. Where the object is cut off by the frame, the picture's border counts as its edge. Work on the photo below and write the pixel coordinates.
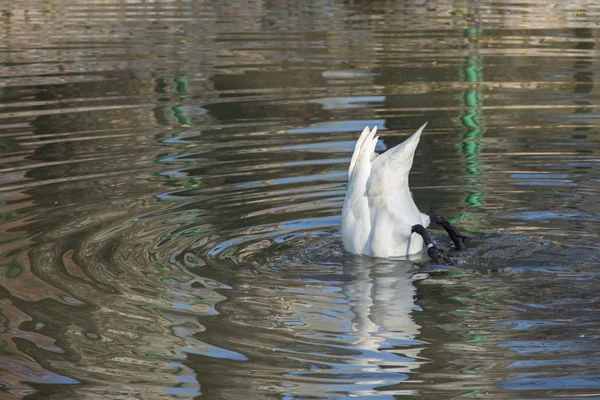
(380, 217)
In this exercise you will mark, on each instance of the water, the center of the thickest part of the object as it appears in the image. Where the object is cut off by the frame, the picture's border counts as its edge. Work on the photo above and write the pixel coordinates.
(173, 176)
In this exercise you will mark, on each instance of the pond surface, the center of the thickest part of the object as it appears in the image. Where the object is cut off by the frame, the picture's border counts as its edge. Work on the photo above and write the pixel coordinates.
(173, 175)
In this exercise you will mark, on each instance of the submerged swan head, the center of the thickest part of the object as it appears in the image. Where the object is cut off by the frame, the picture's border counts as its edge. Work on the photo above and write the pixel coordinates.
(379, 211)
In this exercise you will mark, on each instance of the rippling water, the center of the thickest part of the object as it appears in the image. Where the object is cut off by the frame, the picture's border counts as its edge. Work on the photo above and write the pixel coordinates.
(173, 176)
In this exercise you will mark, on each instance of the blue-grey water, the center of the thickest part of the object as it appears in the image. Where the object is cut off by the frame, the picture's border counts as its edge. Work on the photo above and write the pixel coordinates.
(173, 174)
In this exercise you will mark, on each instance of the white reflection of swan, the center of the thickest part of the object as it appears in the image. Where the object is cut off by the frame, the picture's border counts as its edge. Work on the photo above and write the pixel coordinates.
(381, 298)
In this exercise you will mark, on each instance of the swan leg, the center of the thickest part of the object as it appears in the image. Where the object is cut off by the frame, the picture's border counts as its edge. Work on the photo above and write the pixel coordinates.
(432, 249)
(453, 232)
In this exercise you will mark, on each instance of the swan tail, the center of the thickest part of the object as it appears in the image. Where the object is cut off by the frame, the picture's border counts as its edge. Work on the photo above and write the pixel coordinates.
(398, 161)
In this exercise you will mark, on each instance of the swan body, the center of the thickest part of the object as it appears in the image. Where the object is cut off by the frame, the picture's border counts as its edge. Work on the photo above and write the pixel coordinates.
(379, 211)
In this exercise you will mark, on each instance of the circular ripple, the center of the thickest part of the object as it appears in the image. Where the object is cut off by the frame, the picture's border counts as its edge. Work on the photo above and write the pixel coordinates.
(283, 251)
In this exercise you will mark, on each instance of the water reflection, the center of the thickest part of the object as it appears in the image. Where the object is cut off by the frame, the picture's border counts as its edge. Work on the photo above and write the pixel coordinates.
(382, 299)
(173, 175)
(343, 327)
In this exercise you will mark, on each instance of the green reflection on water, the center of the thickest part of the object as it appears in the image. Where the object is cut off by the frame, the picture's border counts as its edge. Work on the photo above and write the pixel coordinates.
(14, 268)
(178, 113)
(474, 393)
(4, 345)
(470, 372)
(475, 339)
(13, 239)
(181, 85)
(9, 216)
(472, 100)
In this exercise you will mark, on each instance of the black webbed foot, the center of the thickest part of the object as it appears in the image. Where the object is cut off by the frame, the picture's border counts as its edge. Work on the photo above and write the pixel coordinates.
(432, 251)
(438, 256)
(457, 237)
(443, 259)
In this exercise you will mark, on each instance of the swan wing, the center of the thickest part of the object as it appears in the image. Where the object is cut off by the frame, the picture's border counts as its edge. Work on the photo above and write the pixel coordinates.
(356, 219)
(387, 186)
(364, 148)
